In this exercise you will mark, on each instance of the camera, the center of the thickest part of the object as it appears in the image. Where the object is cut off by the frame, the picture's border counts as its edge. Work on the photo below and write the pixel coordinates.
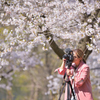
(68, 56)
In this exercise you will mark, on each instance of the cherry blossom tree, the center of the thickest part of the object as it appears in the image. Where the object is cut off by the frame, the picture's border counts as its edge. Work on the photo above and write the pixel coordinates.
(26, 24)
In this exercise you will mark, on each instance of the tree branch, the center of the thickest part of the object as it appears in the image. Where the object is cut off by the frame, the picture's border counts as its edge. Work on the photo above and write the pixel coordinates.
(11, 70)
(53, 45)
(96, 68)
(81, 1)
(82, 46)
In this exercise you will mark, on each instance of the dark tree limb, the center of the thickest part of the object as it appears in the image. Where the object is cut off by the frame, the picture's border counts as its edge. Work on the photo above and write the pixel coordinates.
(11, 70)
(81, 1)
(82, 45)
(96, 68)
(53, 44)
(56, 49)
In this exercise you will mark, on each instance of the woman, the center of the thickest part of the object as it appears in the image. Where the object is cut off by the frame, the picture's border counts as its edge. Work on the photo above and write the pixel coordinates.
(82, 84)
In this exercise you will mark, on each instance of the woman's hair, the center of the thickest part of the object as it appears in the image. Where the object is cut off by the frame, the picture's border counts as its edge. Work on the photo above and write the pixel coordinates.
(80, 54)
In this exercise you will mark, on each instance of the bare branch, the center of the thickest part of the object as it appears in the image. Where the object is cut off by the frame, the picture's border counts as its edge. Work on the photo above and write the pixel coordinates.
(96, 68)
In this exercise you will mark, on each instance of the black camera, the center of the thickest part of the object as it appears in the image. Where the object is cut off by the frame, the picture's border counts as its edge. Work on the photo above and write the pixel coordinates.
(68, 56)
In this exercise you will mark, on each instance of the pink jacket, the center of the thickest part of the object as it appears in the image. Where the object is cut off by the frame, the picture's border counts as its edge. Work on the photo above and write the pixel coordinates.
(82, 84)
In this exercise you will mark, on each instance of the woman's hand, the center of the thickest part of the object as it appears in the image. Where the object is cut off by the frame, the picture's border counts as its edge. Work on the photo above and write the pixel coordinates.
(64, 60)
(69, 73)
